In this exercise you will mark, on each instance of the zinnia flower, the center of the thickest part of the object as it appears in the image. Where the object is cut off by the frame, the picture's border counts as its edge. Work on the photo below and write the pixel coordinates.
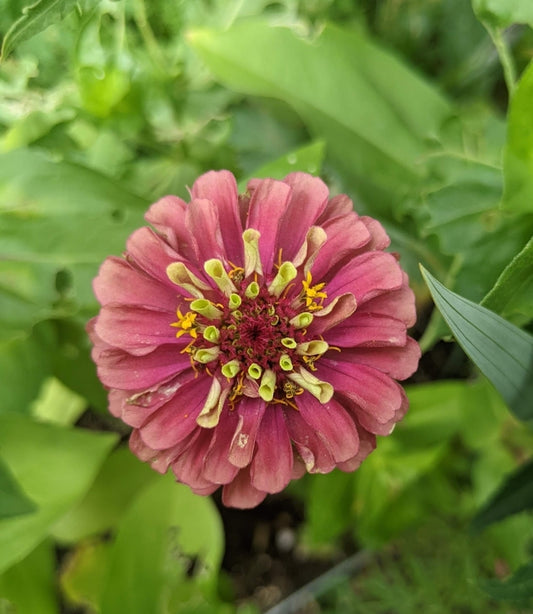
(248, 339)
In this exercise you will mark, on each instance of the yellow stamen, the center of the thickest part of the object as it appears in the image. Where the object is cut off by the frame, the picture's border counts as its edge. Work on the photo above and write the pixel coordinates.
(186, 323)
(313, 295)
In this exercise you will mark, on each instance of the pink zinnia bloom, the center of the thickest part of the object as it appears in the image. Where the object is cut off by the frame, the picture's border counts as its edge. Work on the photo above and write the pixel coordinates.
(248, 339)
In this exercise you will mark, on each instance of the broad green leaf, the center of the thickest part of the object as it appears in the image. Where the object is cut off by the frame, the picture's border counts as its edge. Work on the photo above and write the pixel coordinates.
(25, 363)
(62, 213)
(518, 587)
(35, 17)
(464, 209)
(165, 530)
(307, 159)
(374, 113)
(504, 13)
(512, 295)
(120, 479)
(501, 351)
(30, 585)
(58, 221)
(518, 155)
(515, 496)
(55, 467)
(13, 502)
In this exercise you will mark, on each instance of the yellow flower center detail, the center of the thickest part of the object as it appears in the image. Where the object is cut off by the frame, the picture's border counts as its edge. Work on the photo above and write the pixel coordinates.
(186, 324)
(313, 295)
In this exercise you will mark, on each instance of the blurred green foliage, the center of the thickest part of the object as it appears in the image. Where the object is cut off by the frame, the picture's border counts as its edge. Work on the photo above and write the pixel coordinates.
(106, 105)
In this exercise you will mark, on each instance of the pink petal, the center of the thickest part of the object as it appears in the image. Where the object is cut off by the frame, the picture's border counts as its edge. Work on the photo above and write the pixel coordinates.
(338, 310)
(267, 207)
(118, 369)
(374, 392)
(220, 188)
(332, 424)
(240, 493)
(203, 225)
(367, 443)
(367, 329)
(398, 303)
(167, 216)
(188, 466)
(397, 362)
(271, 467)
(374, 422)
(159, 459)
(136, 329)
(345, 234)
(338, 205)
(380, 239)
(177, 418)
(119, 282)
(250, 412)
(367, 276)
(217, 467)
(313, 450)
(151, 254)
(137, 408)
(308, 200)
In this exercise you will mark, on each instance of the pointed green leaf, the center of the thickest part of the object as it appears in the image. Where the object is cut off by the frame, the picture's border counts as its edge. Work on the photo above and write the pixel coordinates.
(375, 114)
(501, 351)
(515, 496)
(35, 17)
(13, 502)
(512, 294)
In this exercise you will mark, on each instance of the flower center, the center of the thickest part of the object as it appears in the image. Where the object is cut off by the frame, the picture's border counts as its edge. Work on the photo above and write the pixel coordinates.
(253, 337)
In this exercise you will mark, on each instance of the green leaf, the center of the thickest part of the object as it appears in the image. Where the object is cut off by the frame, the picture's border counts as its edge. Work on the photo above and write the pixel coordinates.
(54, 466)
(167, 530)
(25, 363)
(30, 585)
(515, 496)
(374, 113)
(13, 502)
(35, 17)
(308, 159)
(501, 351)
(518, 587)
(518, 155)
(329, 499)
(120, 479)
(58, 221)
(504, 13)
(512, 295)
